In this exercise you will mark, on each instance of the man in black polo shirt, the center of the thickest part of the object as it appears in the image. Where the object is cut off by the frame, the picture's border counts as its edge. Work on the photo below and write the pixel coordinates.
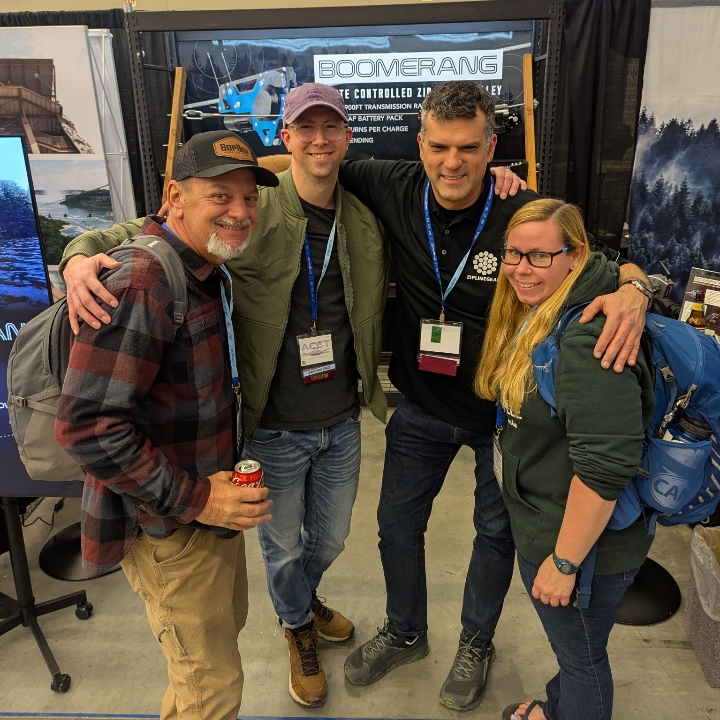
(446, 229)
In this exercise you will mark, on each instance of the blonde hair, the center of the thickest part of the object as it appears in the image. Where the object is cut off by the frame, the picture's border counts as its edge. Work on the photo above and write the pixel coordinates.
(505, 370)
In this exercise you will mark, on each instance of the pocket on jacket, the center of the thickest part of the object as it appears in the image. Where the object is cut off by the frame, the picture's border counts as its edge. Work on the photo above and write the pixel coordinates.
(526, 517)
(204, 348)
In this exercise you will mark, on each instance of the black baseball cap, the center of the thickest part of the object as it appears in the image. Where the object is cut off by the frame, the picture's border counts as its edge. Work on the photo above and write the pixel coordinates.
(210, 154)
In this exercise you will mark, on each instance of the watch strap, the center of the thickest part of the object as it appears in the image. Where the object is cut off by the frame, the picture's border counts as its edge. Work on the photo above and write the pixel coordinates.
(643, 287)
(564, 565)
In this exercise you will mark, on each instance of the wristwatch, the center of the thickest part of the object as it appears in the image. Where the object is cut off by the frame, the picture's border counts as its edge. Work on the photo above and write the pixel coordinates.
(643, 287)
(565, 566)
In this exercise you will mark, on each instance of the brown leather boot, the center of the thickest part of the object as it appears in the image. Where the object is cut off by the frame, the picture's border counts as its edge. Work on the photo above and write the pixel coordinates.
(308, 685)
(331, 625)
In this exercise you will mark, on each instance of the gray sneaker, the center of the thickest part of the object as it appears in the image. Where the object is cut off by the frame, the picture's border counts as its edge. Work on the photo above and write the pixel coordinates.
(387, 650)
(465, 685)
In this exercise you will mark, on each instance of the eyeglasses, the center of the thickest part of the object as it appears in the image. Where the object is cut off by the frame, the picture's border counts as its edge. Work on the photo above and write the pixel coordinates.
(538, 259)
(330, 131)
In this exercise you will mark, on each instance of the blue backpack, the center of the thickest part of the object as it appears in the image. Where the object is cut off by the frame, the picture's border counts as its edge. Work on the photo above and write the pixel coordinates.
(676, 483)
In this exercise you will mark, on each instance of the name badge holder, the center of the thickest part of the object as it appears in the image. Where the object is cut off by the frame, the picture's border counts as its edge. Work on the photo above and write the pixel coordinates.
(497, 450)
(317, 362)
(440, 341)
(440, 346)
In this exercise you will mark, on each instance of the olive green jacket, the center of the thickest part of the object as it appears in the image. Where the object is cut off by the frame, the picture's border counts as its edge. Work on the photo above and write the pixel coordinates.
(263, 277)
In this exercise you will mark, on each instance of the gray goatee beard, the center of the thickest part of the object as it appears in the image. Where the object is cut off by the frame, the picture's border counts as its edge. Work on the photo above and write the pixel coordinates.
(228, 251)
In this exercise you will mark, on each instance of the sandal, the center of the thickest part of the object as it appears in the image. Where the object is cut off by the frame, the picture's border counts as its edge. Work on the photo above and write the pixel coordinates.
(510, 710)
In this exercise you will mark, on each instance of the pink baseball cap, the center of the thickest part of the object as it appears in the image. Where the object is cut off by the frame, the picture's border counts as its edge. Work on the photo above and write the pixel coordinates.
(309, 95)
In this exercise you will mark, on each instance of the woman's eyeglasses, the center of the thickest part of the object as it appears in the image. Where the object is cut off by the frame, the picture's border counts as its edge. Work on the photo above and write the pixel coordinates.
(538, 259)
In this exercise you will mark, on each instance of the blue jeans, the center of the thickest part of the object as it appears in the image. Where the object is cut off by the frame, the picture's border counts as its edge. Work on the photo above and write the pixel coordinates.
(313, 479)
(420, 448)
(584, 686)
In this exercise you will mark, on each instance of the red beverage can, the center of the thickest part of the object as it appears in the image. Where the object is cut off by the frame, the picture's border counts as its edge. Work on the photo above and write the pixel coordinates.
(248, 473)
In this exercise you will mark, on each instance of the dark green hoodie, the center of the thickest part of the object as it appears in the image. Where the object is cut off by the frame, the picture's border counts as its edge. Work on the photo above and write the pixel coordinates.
(598, 436)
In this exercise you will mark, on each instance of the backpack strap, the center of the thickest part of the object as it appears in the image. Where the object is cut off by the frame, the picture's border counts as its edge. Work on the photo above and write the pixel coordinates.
(585, 581)
(675, 403)
(661, 363)
(570, 316)
(547, 353)
(171, 263)
(33, 401)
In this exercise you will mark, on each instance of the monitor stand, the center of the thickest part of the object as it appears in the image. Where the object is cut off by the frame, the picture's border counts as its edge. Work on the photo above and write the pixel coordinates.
(24, 611)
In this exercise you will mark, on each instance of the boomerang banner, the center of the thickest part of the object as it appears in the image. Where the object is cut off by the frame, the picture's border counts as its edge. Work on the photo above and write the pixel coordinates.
(239, 80)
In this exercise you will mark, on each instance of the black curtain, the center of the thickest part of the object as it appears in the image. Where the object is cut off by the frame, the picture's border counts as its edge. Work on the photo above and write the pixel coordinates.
(602, 60)
(113, 20)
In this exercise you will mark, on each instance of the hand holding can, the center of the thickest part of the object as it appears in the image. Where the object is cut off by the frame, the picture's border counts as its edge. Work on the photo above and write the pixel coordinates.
(248, 473)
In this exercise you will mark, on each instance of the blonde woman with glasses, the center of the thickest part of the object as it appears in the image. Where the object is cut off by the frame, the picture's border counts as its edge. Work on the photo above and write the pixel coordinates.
(561, 476)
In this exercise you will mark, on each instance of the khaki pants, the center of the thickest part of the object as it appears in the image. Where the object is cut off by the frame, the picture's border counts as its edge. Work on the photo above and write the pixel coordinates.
(194, 585)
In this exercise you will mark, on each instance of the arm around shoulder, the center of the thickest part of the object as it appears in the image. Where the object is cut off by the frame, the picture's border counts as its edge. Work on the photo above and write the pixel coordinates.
(100, 241)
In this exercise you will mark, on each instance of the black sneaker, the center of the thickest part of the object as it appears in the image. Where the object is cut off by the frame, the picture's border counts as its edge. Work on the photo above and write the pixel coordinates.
(387, 650)
(465, 685)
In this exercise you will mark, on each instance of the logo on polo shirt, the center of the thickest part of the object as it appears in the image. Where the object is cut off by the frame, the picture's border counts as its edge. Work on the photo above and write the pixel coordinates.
(232, 147)
(485, 265)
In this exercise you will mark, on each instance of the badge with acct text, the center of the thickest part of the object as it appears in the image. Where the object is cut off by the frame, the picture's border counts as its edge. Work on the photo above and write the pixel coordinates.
(440, 346)
(317, 361)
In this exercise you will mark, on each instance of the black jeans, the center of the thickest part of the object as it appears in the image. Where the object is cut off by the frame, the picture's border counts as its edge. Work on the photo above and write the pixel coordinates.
(420, 448)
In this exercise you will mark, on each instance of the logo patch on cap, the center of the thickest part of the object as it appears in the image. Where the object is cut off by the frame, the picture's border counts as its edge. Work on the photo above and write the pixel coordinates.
(234, 148)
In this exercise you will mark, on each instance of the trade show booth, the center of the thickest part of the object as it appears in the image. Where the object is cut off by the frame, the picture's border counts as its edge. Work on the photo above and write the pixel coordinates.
(95, 105)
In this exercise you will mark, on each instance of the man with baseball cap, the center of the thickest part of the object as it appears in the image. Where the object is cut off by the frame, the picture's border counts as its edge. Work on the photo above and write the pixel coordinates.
(309, 295)
(150, 411)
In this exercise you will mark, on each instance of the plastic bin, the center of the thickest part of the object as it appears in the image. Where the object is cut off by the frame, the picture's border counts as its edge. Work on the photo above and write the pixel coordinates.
(702, 631)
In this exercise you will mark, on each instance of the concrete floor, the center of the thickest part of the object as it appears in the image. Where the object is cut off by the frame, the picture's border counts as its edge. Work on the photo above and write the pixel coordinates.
(117, 667)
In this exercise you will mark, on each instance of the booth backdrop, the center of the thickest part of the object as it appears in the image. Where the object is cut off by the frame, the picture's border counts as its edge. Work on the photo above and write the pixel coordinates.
(675, 202)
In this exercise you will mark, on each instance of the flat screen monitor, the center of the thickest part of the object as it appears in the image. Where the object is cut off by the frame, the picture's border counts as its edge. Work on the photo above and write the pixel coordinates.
(239, 79)
(24, 285)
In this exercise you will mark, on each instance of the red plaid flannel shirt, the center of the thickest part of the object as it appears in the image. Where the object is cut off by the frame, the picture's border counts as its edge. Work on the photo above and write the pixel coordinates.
(148, 412)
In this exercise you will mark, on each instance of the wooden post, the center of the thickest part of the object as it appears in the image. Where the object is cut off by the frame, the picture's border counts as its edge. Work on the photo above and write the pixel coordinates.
(529, 122)
(176, 119)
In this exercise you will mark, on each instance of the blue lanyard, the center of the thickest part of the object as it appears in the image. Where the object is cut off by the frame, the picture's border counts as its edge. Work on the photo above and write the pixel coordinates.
(311, 272)
(227, 311)
(433, 251)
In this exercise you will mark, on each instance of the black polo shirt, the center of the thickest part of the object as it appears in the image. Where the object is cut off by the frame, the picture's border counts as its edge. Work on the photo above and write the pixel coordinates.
(393, 190)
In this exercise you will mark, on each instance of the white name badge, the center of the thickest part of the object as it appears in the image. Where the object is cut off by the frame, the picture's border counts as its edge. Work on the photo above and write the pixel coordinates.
(317, 361)
(497, 461)
(440, 346)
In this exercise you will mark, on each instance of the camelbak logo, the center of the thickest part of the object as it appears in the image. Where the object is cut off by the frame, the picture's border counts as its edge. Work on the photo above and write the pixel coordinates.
(398, 67)
(665, 489)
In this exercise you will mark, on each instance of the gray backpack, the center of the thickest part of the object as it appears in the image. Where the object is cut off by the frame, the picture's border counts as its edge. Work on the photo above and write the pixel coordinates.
(39, 360)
